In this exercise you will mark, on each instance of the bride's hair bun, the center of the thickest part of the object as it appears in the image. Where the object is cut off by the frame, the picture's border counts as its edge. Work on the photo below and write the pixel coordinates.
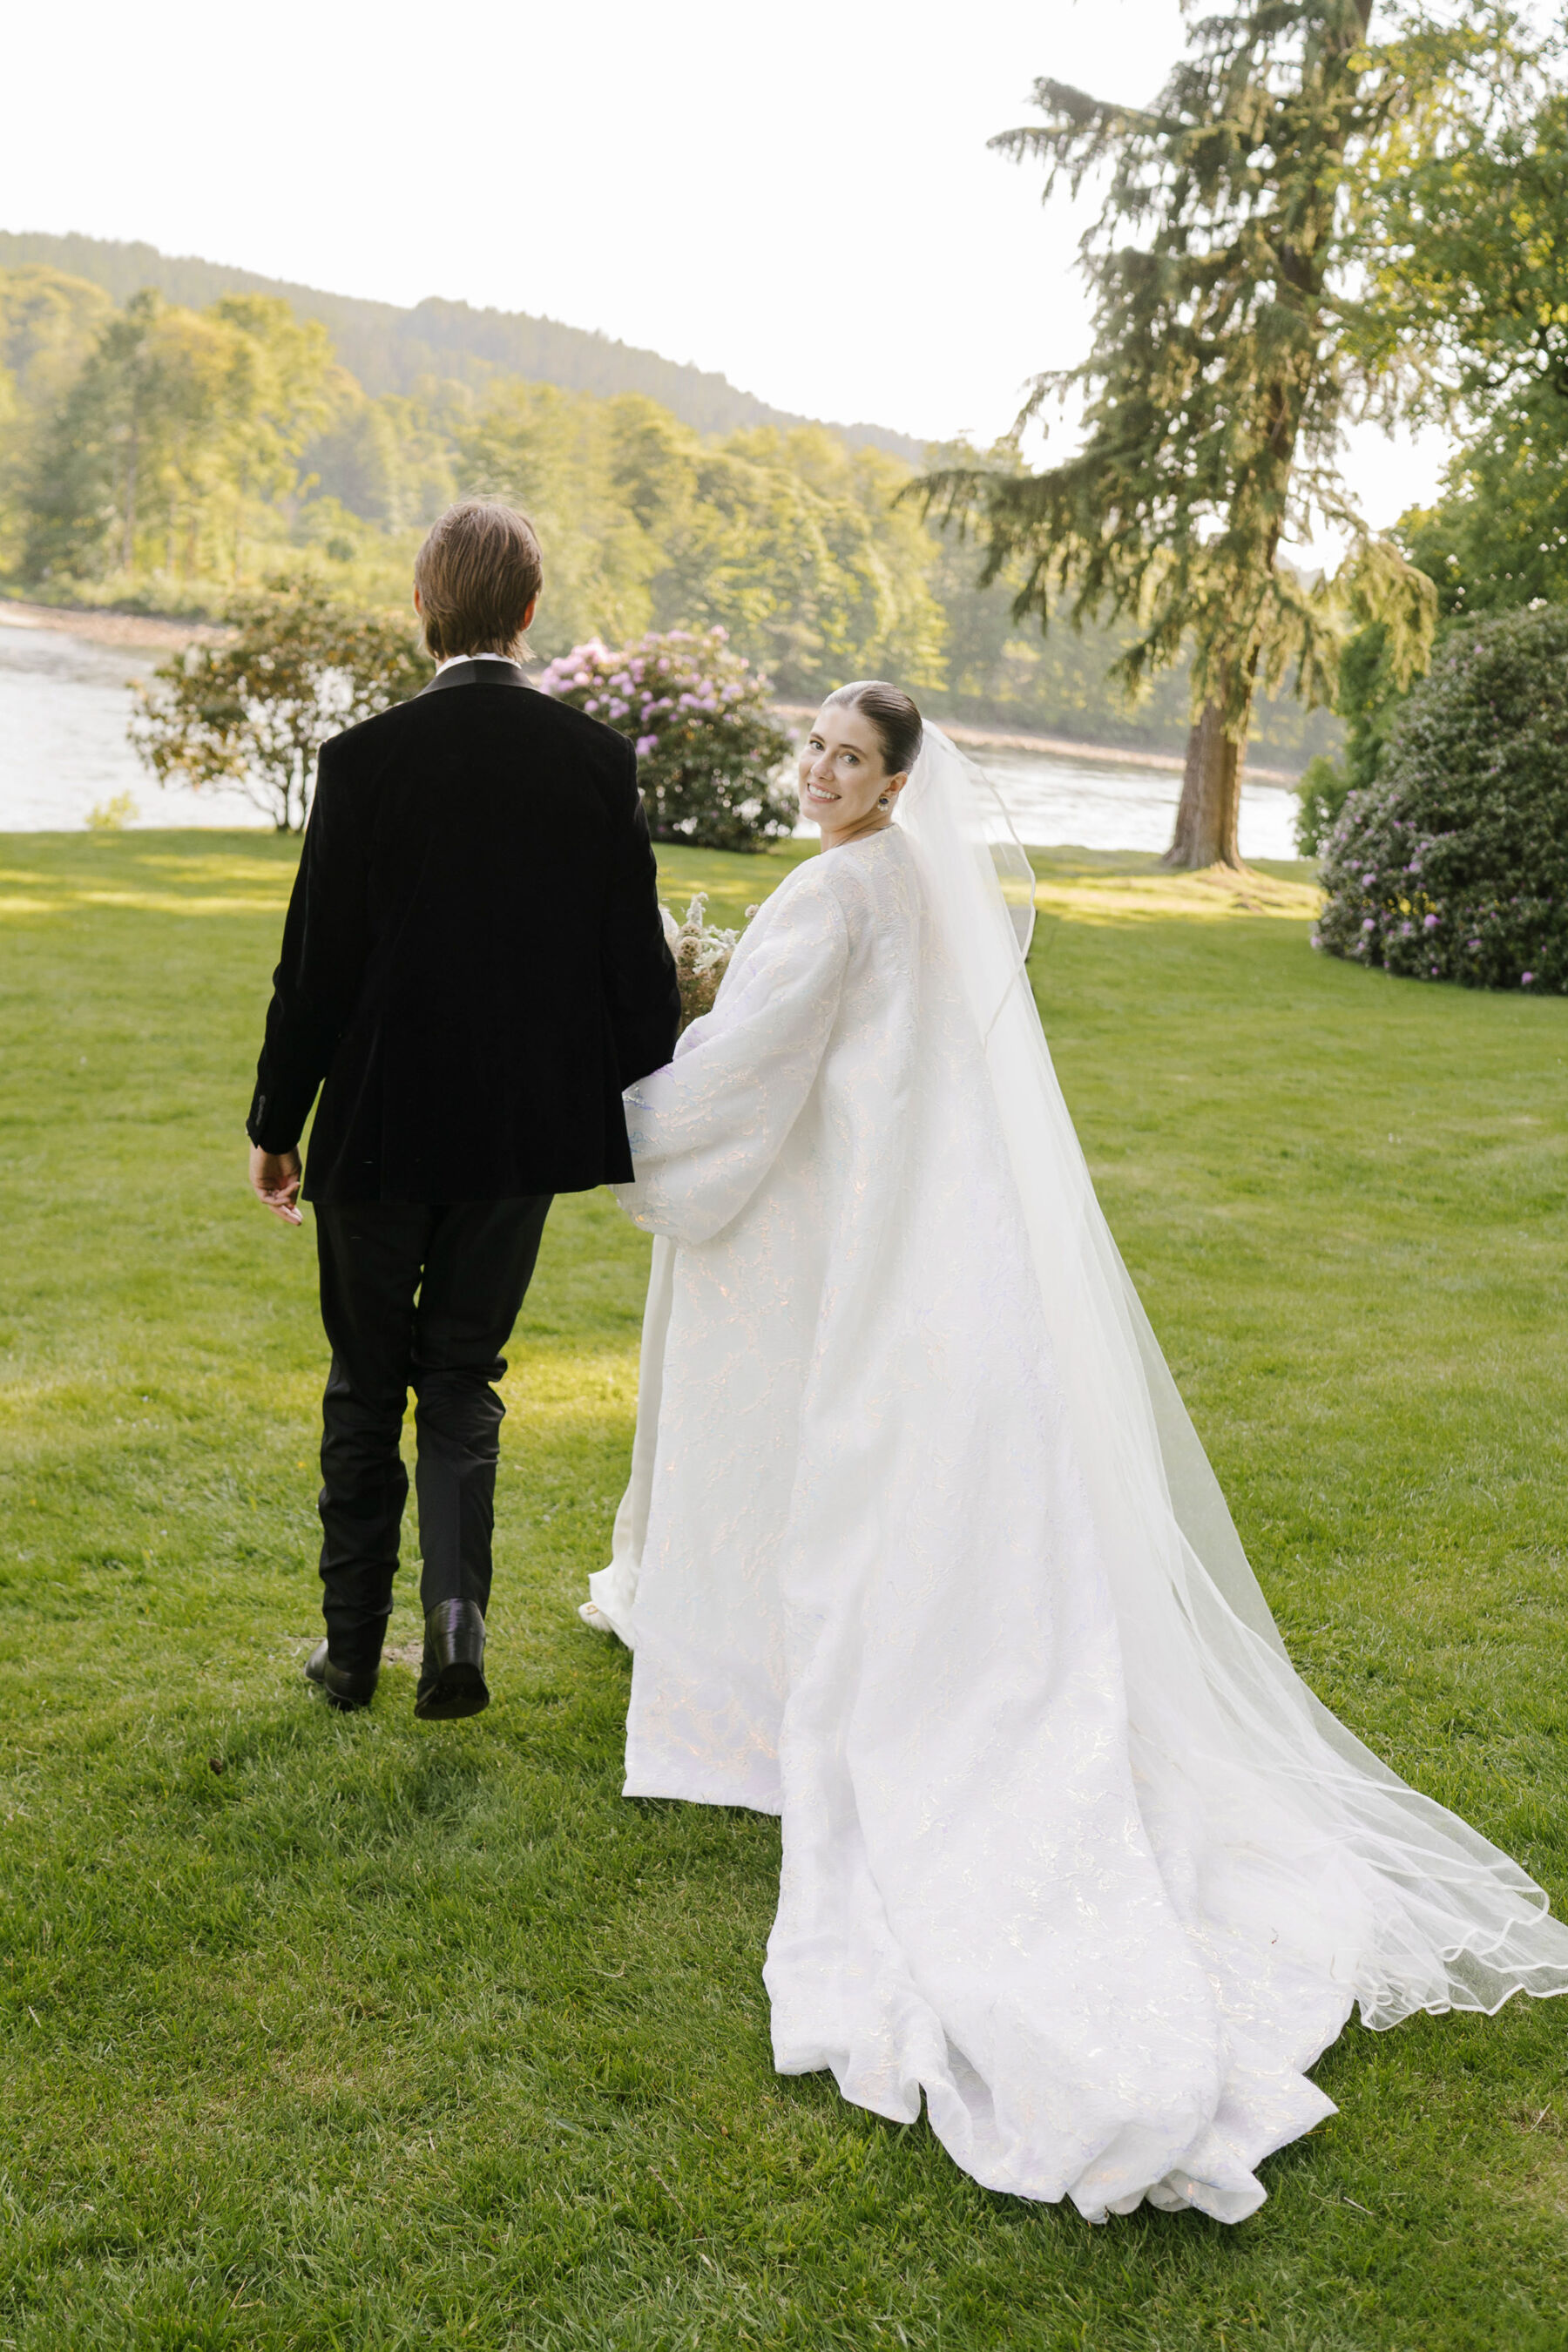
(892, 714)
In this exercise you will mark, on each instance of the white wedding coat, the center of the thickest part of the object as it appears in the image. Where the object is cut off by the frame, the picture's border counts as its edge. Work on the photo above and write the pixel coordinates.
(1067, 1846)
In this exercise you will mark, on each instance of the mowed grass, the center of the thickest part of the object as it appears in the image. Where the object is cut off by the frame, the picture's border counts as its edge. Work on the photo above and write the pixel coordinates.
(326, 2032)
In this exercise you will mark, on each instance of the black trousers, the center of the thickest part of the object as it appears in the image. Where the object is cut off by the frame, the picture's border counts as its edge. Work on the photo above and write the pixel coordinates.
(423, 1297)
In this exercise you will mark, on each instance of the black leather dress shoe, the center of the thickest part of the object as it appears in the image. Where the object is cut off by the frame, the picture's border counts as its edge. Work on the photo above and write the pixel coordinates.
(452, 1677)
(342, 1688)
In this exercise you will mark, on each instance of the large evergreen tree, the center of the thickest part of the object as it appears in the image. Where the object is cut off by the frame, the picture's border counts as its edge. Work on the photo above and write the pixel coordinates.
(1231, 336)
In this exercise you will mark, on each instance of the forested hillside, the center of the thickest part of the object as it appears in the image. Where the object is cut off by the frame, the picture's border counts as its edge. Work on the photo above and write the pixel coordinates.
(390, 349)
(161, 455)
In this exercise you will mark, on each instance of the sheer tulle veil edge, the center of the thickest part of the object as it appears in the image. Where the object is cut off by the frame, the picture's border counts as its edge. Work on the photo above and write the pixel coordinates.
(1406, 1905)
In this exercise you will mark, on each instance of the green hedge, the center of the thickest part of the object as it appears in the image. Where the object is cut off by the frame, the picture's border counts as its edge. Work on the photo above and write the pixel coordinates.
(1453, 863)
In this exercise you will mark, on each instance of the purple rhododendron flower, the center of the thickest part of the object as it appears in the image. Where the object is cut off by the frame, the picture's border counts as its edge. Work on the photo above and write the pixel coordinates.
(1367, 880)
(1431, 922)
(1369, 925)
(646, 744)
(1525, 977)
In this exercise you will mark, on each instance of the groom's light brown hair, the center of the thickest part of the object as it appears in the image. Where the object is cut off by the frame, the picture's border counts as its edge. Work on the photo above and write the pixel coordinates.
(477, 573)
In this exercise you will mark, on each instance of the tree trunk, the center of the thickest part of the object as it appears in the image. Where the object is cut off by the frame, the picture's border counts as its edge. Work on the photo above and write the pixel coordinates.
(1210, 806)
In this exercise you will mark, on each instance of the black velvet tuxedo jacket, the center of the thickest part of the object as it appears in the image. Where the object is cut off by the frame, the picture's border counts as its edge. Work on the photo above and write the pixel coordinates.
(473, 963)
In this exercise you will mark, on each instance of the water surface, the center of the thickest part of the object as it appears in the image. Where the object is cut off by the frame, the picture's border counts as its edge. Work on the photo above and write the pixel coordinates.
(64, 703)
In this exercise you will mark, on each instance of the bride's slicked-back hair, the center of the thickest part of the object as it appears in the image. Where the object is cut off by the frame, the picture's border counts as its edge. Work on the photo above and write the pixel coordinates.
(896, 721)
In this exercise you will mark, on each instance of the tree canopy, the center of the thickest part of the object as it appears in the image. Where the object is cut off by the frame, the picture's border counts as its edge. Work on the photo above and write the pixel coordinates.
(166, 456)
(1229, 266)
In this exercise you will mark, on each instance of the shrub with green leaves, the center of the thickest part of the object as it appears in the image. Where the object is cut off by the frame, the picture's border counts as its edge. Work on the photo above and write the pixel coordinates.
(1320, 797)
(296, 666)
(1453, 864)
(709, 750)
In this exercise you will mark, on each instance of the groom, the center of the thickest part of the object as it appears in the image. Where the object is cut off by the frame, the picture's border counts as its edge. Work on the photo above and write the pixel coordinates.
(473, 967)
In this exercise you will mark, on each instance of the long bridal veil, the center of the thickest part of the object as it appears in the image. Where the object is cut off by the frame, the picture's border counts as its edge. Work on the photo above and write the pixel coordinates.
(1250, 1788)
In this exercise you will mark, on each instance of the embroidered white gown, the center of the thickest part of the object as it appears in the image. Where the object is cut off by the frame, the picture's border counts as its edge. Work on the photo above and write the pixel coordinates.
(1068, 1847)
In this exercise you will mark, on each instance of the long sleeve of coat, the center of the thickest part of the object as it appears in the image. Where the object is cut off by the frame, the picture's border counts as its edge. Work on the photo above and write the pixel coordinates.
(641, 987)
(319, 970)
(705, 1131)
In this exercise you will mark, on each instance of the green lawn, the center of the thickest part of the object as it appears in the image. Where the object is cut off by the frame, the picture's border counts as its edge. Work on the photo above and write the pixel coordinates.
(327, 2031)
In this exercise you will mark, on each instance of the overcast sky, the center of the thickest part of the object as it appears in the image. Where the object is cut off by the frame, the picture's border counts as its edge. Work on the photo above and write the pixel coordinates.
(799, 196)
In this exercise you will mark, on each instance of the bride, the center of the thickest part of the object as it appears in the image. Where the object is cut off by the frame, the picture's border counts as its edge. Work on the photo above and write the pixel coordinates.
(922, 1552)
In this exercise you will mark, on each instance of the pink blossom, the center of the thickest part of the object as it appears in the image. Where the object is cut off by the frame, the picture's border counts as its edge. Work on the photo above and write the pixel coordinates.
(646, 744)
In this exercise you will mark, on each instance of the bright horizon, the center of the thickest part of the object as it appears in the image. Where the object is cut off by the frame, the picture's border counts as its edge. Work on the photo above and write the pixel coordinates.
(821, 222)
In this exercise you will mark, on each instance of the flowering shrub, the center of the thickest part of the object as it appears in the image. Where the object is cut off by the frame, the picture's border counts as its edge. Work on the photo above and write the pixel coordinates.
(701, 952)
(707, 751)
(297, 666)
(1453, 863)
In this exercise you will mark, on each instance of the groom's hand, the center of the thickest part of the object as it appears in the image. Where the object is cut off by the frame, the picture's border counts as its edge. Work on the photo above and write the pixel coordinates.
(275, 1181)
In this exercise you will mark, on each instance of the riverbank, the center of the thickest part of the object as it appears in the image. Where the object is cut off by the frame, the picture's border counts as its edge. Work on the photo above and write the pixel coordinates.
(145, 632)
(149, 632)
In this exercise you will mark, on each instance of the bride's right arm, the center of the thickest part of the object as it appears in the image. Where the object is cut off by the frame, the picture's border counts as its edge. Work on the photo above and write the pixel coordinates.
(705, 1130)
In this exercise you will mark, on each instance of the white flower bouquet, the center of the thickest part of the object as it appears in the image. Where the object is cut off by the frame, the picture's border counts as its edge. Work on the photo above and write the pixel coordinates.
(701, 951)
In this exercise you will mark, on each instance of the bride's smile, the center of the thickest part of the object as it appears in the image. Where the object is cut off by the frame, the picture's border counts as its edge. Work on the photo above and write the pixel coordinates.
(845, 787)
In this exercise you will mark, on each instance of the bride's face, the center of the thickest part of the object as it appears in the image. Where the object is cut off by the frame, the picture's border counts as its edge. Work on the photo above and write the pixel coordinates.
(841, 775)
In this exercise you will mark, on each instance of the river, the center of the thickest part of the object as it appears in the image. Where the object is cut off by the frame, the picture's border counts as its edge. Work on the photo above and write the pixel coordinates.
(64, 702)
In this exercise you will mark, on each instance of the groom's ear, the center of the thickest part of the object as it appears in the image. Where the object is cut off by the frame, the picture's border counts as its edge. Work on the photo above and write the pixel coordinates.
(528, 610)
